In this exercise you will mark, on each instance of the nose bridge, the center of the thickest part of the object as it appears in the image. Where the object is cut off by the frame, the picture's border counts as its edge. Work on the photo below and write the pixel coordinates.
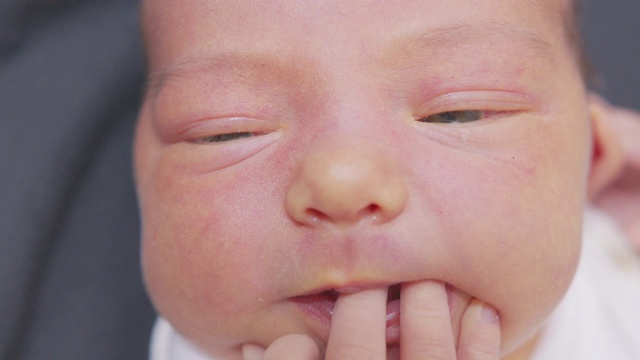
(344, 180)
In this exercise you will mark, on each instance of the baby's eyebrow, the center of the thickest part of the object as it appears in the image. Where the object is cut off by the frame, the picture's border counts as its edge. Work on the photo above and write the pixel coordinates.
(474, 34)
(244, 67)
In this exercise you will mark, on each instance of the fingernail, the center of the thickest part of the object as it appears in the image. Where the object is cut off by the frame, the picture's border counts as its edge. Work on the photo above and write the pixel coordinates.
(489, 315)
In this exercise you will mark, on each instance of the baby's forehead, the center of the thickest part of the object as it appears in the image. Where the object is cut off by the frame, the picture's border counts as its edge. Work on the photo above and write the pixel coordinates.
(163, 19)
(158, 11)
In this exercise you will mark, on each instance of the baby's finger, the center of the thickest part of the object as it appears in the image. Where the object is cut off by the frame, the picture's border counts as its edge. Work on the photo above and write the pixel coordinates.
(425, 322)
(288, 347)
(480, 333)
(252, 352)
(358, 326)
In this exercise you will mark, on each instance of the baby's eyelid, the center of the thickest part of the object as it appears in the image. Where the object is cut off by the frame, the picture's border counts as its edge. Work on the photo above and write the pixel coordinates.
(486, 100)
(472, 106)
(221, 130)
(496, 97)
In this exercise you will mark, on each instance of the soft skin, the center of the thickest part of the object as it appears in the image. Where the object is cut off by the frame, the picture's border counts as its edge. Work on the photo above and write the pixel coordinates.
(343, 184)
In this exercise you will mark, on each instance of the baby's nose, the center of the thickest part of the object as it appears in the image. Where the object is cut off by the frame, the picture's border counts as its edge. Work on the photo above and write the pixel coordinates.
(345, 185)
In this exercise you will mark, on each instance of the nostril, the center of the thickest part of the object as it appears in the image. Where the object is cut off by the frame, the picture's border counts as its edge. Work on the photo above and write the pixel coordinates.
(370, 212)
(316, 216)
(371, 209)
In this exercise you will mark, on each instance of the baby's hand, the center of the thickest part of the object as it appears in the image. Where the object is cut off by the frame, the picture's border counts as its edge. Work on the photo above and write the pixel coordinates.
(358, 329)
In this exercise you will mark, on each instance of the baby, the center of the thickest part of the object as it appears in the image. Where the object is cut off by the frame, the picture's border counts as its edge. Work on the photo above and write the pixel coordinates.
(361, 180)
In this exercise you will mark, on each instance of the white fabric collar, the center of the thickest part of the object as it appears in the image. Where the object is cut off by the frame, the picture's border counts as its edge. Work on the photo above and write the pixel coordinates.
(168, 344)
(599, 318)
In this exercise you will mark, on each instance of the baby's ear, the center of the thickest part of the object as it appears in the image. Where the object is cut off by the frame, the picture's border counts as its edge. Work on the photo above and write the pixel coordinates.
(607, 159)
(614, 182)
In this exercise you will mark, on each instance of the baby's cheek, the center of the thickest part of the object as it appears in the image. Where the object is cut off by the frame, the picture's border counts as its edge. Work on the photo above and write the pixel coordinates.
(514, 241)
(204, 263)
(207, 248)
(208, 290)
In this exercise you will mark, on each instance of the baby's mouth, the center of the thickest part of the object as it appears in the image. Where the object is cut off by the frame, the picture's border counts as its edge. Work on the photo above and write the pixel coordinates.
(393, 315)
(320, 307)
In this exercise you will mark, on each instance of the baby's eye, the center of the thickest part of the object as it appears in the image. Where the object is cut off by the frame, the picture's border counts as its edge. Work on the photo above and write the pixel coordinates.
(450, 117)
(226, 137)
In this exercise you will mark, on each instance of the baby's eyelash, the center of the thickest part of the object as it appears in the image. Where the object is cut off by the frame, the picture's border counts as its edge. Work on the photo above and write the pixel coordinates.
(225, 137)
(460, 116)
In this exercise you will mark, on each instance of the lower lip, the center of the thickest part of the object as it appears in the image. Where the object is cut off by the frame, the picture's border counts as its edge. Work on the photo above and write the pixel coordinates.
(320, 308)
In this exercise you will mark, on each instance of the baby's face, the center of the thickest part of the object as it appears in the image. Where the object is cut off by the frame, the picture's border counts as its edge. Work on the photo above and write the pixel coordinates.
(287, 149)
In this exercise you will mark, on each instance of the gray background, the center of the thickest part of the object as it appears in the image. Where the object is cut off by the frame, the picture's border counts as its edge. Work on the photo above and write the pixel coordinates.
(612, 33)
